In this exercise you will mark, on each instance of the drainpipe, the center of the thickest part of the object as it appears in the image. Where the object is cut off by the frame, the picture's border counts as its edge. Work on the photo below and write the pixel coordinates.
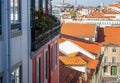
(8, 30)
(28, 35)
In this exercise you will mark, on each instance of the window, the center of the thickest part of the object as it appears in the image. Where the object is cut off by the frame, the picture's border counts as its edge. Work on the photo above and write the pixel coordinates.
(56, 54)
(45, 65)
(113, 70)
(51, 58)
(105, 59)
(113, 60)
(38, 69)
(105, 68)
(17, 75)
(113, 49)
(1, 79)
(15, 14)
(38, 4)
(0, 18)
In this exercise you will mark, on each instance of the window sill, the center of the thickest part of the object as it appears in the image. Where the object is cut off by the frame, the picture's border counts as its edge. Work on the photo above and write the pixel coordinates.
(16, 33)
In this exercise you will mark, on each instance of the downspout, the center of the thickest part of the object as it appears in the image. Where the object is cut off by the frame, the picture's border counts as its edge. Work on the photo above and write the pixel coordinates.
(8, 43)
(28, 35)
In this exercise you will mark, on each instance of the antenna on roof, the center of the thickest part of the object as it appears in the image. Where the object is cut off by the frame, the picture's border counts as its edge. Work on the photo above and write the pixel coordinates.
(63, 1)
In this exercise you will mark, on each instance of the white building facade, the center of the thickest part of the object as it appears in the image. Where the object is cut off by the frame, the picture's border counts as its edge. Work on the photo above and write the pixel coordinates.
(15, 62)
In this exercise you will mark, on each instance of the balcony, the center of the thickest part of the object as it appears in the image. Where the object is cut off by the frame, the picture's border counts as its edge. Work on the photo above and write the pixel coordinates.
(111, 64)
(40, 38)
(44, 28)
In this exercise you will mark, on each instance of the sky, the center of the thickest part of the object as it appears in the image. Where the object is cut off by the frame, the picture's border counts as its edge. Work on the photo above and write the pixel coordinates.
(85, 2)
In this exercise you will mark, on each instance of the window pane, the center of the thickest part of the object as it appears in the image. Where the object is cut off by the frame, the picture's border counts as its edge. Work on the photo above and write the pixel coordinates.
(51, 58)
(16, 75)
(45, 65)
(38, 70)
(114, 49)
(113, 59)
(15, 11)
(11, 4)
(105, 59)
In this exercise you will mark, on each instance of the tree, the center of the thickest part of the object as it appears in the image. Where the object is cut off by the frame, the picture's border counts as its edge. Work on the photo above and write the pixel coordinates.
(73, 14)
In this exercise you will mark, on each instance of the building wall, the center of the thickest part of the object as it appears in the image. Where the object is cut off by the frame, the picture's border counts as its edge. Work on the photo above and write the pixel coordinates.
(52, 75)
(109, 53)
(19, 46)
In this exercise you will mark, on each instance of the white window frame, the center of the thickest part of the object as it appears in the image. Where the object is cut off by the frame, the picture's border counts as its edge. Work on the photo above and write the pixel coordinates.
(51, 58)
(16, 73)
(105, 59)
(55, 54)
(38, 74)
(16, 16)
(114, 49)
(46, 57)
(113, 59)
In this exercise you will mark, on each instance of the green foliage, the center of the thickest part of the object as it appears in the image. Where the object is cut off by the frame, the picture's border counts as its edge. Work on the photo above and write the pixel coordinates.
(42, 21)
(73, 14)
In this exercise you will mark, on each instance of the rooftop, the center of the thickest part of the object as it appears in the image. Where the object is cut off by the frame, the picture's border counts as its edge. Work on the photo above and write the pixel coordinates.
(115, 5)
(90, 46)
(68, 75)
(109, 35)
(78, 30)
(91, 63)
(72, 61)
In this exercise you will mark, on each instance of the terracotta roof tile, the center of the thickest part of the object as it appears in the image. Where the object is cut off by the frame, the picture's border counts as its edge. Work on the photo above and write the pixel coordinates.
(72, 61)
(90, 46)
(110, 12)
(78, 30)
(91, 63)
(115, 5)
(100, 17)
(68, 75)
(109, 35)
(101, 14)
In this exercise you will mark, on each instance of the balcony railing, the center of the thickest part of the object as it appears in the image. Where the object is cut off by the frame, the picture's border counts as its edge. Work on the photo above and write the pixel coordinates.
(111, 64)
(40, 38)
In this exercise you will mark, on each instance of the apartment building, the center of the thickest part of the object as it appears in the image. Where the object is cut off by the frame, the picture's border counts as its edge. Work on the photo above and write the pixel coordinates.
(24, 57)
(111, 53)
(103, 18)
(14, 42)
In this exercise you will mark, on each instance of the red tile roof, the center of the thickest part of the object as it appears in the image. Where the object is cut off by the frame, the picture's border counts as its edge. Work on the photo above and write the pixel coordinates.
(72, 61)
(115, 5)
(100, 17)
(91, 63)
(78, 30)
(109, 35)
(68, 75)
(101, 14)
(90, 46)
(110, 12)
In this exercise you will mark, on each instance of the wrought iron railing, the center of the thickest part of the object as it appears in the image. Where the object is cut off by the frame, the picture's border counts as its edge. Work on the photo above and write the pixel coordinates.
(40, 38)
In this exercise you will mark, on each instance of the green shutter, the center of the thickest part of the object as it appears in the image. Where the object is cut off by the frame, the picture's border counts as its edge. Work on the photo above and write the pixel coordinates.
(114, 70)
